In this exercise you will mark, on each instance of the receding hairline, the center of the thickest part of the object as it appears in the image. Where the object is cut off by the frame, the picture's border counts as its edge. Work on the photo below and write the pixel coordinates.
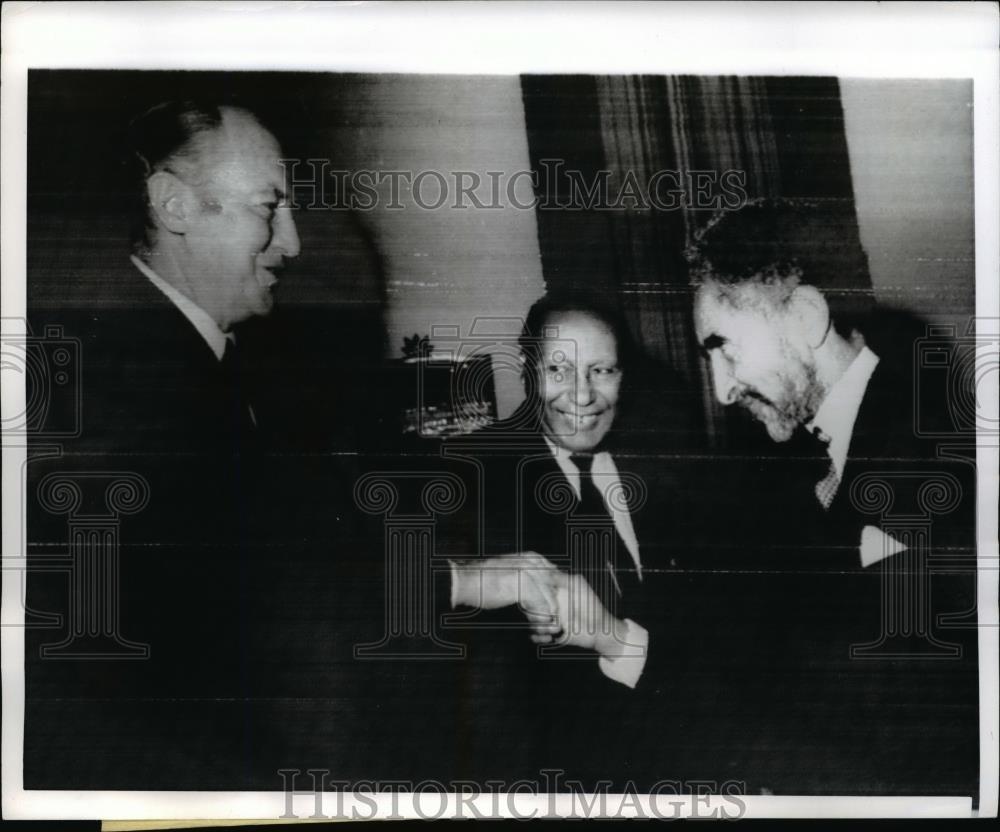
(237, 121)
(594, 317)
(232, 115)
(209, 147)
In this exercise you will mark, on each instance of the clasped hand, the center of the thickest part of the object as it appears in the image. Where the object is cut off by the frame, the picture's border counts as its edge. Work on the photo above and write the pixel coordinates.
(561, 608)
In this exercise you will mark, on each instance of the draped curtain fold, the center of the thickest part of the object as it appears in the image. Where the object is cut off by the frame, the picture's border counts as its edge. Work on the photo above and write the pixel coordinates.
(650, 273)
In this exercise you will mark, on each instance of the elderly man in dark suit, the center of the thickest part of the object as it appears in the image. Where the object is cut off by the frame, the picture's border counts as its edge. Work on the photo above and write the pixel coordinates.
(555, 480)
(167, 405)
(245, 579)
(212, 233)
(854, 604)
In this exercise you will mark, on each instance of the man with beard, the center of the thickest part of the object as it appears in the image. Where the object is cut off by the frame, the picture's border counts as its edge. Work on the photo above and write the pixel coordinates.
(854, 601)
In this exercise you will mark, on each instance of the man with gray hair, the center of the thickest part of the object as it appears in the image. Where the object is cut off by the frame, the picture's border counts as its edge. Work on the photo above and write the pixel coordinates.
(166, 399)
(248, 579)
(869, 620)
(212, 228)
(216, 224)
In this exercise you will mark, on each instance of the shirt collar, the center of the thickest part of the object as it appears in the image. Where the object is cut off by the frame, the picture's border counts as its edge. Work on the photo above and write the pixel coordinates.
(199, 318)
(839, 410)
(605, 476)
(603, 464)
(558, 451)
(564, 454)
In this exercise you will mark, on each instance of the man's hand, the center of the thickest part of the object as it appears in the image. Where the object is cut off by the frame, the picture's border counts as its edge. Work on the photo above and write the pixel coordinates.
(585, 621)
(526, 579)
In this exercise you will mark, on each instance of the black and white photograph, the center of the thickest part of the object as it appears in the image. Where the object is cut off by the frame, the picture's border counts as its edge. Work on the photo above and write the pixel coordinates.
(409, 435)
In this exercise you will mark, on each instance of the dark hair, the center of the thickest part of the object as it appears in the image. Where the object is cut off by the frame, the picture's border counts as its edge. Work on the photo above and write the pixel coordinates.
(778, 243)
(160, 135)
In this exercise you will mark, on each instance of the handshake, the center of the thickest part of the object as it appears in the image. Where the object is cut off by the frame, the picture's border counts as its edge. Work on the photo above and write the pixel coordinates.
(560, 607)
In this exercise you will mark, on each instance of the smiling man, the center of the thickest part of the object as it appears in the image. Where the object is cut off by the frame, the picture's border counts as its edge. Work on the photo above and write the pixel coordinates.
(579, 377)
(782, 348)
(845, 599)
(575, 356)
(211, 232)
(549, 485)
(764, 364)
(167, 405)
(216, 226)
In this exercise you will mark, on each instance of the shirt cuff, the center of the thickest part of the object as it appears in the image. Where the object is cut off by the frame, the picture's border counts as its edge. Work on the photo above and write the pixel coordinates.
(627, 666)
(454, 584)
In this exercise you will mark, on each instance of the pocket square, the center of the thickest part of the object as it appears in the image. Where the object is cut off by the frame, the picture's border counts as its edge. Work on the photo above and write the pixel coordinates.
(876, 545)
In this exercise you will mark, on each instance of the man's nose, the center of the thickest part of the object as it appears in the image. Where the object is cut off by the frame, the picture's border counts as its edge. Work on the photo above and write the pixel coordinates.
(726, 388)
(286, 235)
(583, 392)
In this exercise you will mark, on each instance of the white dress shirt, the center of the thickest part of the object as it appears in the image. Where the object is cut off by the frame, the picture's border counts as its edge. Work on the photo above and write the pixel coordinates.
(839, 410)
(628, 666)
(604, 474)
(199, 318)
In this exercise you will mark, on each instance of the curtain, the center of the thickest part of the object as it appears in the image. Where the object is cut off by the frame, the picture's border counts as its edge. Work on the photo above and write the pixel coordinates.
(698, 127)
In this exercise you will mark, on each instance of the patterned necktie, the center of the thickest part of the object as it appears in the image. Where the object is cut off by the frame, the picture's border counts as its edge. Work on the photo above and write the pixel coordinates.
(809, 451)
(826, 488)
(610, 571)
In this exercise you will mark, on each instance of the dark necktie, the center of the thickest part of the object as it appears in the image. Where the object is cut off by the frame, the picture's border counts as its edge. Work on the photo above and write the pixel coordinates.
(607, 564)
(243, 420)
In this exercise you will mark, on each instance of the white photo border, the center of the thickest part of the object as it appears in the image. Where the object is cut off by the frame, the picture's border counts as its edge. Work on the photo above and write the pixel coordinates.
(865, 40)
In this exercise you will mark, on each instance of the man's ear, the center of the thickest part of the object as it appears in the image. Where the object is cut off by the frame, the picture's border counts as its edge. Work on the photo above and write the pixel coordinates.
(169, 200)
(811, 313)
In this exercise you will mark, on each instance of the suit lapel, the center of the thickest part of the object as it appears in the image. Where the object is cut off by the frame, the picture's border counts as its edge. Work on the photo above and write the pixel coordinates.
(874, 431)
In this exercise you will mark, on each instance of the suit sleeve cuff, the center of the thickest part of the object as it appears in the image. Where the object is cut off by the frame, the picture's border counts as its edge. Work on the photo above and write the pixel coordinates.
(626, 667)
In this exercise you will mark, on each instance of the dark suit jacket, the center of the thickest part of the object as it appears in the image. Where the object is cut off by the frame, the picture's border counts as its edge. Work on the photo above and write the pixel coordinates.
(157, 407)
(529, 708)
(250, 575)
(791, 685)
